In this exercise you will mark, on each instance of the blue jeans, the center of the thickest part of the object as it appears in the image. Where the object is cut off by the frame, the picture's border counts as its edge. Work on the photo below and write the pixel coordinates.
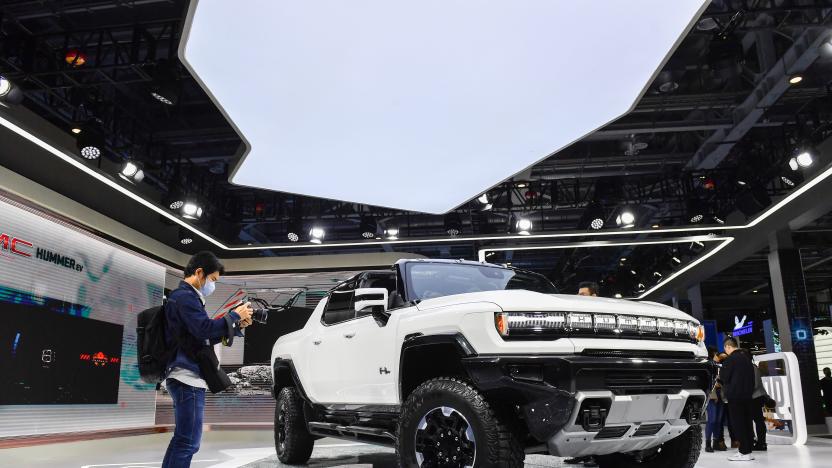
(715, 427)
(188, 407)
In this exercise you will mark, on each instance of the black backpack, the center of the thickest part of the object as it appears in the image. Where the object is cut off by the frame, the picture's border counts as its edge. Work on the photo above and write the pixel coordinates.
(153, 352)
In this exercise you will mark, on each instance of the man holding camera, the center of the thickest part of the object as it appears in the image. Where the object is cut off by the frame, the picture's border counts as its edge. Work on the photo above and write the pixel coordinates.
(191, 331)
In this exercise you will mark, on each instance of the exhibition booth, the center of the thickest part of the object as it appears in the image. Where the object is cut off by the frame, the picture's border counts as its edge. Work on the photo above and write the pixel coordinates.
(457, 234)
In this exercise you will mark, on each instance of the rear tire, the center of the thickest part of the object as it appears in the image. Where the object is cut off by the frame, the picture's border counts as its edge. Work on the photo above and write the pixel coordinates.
(681, 452)
(292, 440)
(447, 422)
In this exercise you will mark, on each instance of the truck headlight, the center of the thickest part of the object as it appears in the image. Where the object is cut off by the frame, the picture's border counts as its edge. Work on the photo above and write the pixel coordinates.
(561, 324)
(530, 321)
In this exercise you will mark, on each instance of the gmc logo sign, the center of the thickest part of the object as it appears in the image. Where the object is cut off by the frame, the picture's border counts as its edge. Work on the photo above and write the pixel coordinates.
(15, 245)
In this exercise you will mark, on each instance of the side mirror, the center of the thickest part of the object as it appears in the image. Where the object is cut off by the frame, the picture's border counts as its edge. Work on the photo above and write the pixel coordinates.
(374, 299)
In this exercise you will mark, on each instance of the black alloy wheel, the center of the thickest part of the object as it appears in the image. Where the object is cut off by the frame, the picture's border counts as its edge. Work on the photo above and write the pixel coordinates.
(445, 439)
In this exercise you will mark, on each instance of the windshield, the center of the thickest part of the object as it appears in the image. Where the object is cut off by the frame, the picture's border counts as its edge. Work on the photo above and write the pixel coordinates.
(428, 280)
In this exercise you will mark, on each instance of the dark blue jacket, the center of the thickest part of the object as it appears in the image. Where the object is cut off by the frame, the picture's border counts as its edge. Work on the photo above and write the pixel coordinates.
(187, 319)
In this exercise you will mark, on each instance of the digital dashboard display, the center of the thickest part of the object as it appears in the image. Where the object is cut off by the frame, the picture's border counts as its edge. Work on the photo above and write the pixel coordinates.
(50, 357)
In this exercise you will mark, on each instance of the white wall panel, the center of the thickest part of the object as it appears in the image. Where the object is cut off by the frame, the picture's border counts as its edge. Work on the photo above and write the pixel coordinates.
(112, 286)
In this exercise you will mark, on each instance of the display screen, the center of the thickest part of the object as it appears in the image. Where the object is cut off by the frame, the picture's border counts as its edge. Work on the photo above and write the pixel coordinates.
(48, 356)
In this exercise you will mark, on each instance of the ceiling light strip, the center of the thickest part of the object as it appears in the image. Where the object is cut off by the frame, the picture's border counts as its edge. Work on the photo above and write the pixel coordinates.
(102, 178)
(95, 174)
(687, 267)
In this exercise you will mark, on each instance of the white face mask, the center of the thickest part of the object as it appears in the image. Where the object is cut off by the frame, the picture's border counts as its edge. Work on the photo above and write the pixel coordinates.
(207, 288)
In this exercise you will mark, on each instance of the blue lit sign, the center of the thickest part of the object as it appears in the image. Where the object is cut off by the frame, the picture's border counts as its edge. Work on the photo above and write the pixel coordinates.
(741, 327)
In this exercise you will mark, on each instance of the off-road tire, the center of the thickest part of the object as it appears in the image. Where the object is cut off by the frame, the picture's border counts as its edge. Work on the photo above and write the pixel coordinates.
(297, 442)
(496, 445)
(680, 452)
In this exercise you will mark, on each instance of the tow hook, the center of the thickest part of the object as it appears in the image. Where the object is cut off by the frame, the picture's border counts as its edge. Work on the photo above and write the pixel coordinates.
(593, 417)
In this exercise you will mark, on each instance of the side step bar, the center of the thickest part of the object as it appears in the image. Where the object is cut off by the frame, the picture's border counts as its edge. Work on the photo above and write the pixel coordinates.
(369, 435)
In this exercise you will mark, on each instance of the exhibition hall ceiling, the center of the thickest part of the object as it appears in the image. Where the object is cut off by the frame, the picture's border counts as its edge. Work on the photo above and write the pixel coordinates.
(726, 127)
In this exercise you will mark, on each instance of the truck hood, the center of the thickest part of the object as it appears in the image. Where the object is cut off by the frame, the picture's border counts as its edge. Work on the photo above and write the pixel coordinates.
(528, 301)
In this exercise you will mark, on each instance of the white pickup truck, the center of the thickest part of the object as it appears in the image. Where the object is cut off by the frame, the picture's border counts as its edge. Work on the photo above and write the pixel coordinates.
(465, 364)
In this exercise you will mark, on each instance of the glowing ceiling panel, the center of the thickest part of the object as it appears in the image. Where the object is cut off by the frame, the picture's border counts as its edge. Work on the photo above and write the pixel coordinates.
(420, 105)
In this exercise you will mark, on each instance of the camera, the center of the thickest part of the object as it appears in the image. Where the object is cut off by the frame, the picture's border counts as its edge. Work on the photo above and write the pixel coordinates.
(260, 315)
(259, 309)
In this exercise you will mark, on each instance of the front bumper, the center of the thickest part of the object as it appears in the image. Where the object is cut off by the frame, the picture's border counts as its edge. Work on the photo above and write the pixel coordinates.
(591, 405)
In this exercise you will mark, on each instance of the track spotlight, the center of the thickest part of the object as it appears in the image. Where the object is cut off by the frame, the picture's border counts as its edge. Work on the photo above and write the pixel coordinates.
(675, 261)
(453, 224)
(641, 288)
(391, 233)
(795, 79)
(625, 219)
(316, 235)
(696, 210)
(175, 199)
(524, 226)
(617, 295)
(90, 141)
(185, 236)
(293, 231)
(131, 172)
(594, 216)
(369, 227)
(166, 86)
(191, 210)
(5, 86)
(804, 159)
(9, 92)
(484, 199)
(695, 247)
(791, 178)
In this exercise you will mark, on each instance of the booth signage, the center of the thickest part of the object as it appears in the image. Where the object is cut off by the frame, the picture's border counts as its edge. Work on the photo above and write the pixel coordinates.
(741, 327)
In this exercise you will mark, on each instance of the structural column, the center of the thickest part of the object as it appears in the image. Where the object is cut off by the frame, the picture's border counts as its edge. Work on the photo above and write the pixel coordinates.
(794, 321)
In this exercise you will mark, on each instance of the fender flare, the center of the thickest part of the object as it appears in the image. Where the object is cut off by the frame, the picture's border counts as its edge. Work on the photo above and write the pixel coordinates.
(419, 340)
(283, 367)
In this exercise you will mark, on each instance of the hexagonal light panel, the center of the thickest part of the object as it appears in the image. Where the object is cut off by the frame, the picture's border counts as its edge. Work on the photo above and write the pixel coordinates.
(420, 104)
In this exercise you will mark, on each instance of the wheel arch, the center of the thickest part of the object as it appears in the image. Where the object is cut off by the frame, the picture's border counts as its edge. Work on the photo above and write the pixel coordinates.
(428, 356)
(285, 375)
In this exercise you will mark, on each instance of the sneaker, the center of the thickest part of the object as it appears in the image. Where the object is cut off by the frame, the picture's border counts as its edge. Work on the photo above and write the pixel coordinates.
(741, 457)
(720, 446)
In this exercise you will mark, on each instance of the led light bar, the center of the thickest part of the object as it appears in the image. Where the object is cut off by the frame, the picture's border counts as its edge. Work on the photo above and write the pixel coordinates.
(605, 322)
(560, 324)
(666, 326)
(647, 325)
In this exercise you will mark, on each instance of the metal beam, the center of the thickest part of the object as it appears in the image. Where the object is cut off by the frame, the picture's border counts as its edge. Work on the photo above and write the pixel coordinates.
(768, 91)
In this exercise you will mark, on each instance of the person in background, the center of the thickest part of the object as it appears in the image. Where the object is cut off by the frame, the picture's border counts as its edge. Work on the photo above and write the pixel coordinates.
(585, 288)
(726, 422)
(189, 328)
(826, 388)
(760, 396)
(588, 288)
(737, 379)
(715, 427)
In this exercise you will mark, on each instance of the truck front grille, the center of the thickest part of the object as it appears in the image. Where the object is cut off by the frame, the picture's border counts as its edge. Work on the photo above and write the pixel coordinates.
(636, 383)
